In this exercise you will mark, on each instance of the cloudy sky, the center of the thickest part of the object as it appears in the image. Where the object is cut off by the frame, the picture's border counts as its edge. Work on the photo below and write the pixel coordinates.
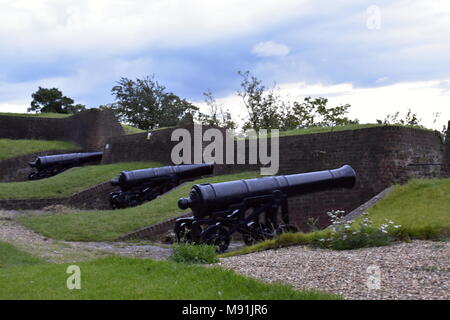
(379, 56)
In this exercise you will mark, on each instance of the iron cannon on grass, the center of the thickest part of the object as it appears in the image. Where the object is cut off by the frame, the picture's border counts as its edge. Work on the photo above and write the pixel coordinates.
(256, 208)
(48, 166)
(139, 186)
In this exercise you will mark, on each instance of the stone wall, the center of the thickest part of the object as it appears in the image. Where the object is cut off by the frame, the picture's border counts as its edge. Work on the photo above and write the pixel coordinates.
(89, 129)
(446, 157)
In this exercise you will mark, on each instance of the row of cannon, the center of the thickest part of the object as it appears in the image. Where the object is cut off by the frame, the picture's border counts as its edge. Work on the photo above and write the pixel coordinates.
(255, 208)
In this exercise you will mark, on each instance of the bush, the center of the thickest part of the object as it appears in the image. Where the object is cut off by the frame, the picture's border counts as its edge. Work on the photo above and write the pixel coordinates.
(192, 253)
(346, 235)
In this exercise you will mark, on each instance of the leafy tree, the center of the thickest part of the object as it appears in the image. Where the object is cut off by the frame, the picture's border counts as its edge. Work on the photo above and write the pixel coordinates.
(267, 110)
(52, 100)
(315, 113)
(217, 116)
(264, 107)
(145, 104)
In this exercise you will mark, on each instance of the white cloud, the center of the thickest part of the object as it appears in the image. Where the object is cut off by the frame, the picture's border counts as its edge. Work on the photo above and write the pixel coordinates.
(270, 49)
(123, 26)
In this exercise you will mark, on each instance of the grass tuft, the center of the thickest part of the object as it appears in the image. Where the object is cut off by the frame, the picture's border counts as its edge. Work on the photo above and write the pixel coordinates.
(194, 253)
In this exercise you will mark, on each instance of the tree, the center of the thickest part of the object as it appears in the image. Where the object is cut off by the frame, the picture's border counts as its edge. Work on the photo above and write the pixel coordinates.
(145, 104)
(264, 107)
(217, 116)
(52, 100)
(267, 110)
(315, 113)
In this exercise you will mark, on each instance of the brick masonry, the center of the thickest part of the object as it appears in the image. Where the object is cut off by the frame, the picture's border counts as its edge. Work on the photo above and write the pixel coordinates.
(446, 157)
(89, 129)
(381, 156)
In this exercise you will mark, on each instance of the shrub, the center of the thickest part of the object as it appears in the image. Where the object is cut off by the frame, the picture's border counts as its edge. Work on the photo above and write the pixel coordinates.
(192, 253)
(347, 235)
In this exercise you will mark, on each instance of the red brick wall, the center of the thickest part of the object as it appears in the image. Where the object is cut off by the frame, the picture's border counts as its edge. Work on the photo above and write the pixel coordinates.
(89, 129)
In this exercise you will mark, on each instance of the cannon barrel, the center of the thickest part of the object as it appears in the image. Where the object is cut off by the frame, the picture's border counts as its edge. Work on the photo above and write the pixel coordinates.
(207, 198)
(129, 179)
(43, 162)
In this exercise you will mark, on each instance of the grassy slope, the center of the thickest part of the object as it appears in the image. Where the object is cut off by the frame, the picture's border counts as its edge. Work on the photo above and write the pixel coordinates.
(68, 182)
(143, 279)
(10, 148)
(421, 207)
(108, 225)
(131, 130)
(10, 256)
(37, 115)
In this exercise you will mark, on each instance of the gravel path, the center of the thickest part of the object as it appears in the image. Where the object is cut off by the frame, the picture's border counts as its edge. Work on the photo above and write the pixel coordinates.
(416, 270)
(68, 251)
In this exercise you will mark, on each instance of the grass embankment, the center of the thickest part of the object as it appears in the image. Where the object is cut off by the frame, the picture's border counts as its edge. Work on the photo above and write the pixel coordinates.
(143, 279)
(10, 256)
(107, 225)
(421, 207)
(68, 182)
(10, 148)
(131, 130)
(37, 115)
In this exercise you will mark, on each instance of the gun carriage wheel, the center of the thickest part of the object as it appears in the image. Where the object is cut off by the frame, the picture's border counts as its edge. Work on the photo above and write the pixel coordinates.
(217, 236)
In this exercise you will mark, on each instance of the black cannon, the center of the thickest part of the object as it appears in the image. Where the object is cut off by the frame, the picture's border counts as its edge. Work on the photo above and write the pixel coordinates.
(251, 207)
(139, 186)
(48, 166)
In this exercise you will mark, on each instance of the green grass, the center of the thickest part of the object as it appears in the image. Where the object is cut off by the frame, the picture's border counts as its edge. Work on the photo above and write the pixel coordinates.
(421, 207)
(10, 256)
(37, 115)
(131, 130)
(68, 182)
(10, 148)
(128, 278)
(107, 225)
(194, 253)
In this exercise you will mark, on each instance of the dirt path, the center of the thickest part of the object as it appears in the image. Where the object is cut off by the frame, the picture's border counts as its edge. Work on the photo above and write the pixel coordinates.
(67, 251)
(416, 270)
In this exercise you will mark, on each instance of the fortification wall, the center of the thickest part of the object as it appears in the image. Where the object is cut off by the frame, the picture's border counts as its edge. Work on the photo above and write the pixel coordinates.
(381, 156)
(89, 129)
(446, 157)
(153, 146)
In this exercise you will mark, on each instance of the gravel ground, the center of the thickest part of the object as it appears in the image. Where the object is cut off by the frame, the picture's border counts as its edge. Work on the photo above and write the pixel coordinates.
(416, 270)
